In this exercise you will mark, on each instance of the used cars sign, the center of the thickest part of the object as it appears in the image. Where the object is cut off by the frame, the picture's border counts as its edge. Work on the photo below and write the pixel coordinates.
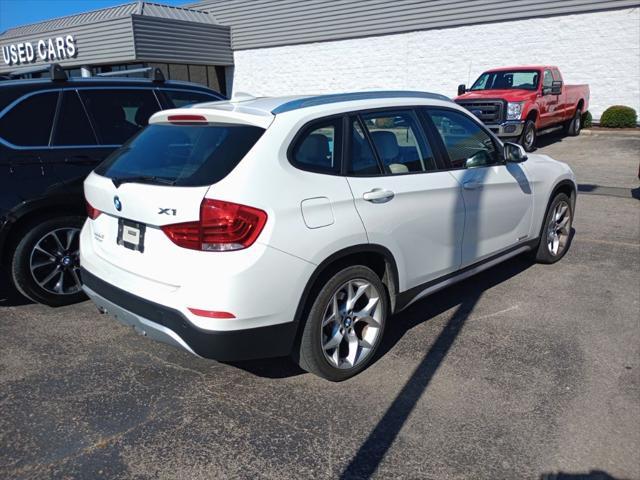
(50, 49)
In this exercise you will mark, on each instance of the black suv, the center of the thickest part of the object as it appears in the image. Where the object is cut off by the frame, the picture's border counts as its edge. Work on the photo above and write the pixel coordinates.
(53, 132)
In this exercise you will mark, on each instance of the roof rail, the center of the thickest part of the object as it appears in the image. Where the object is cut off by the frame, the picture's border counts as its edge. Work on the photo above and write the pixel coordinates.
(155, 75)
(56, 72)
(313, 101)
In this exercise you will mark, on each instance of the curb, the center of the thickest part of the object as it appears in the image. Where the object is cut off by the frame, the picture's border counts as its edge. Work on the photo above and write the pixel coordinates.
(611, 133)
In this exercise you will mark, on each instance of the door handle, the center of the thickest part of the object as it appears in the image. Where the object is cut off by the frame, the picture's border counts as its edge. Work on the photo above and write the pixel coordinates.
(378, 195)
(471, 185)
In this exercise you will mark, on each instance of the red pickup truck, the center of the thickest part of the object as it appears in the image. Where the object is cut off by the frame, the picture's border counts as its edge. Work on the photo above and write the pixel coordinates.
(520, 103)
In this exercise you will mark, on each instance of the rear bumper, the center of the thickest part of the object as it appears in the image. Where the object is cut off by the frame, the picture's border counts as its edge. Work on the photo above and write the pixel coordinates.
(508, 129)
(170, 326)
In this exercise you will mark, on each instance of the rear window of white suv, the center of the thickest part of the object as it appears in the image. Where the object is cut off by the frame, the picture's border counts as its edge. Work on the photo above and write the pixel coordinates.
(183, 155)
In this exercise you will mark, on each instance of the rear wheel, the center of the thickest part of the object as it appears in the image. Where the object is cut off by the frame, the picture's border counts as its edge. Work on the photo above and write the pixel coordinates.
(45, 265)
(556, 230)
(575, 124)
(529, 136)
(345, 324)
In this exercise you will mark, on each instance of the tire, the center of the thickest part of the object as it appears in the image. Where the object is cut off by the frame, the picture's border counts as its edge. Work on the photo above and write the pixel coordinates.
(51, 279)
(545, 251)
(357, 337)
(529, 136)
(575, 124)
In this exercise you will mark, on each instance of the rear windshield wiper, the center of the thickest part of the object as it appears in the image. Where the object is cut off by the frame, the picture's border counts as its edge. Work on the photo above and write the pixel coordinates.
(117, 181)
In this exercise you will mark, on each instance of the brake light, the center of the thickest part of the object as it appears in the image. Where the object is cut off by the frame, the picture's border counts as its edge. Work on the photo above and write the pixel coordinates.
(92, 212)
(187, 119)
(223, 226)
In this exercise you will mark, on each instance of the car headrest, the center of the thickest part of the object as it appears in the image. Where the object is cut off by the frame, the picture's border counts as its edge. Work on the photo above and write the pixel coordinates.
(315, 150)
(112, 112)
(387, 144)
(144, 112)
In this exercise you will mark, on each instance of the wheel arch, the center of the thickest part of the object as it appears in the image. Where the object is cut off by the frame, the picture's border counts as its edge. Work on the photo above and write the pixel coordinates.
(565, 186)
(377, 257)
(532, 115)
(21, 218)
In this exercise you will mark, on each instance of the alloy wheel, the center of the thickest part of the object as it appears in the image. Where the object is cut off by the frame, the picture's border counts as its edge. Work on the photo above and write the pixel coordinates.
(54, 261)
(559, 228)
(352, 323)
(529, 138)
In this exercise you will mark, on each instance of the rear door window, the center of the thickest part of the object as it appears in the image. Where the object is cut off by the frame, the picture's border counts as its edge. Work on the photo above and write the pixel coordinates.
(118, 114)
(72, 125)
(184, 155)
(398, 140)
(184, 98)
(318, 148)
(29, 123)
(362, 160)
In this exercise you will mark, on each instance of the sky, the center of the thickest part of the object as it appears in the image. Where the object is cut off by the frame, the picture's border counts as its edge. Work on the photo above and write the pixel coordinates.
(20, 12)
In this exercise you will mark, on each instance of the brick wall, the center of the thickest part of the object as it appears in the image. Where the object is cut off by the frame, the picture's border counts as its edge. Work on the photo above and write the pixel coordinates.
(602, 49)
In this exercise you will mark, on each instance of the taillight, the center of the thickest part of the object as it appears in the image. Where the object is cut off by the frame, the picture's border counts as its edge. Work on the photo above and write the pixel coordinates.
(92, 212)
(223, 226)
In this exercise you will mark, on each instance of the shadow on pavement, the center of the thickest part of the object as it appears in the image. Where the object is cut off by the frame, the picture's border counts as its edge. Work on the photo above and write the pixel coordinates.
(9, 296)
(465, 295)
(549, 139)
(592, 475)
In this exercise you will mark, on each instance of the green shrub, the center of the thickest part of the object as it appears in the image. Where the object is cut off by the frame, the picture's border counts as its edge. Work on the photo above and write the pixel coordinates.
(587, 120)
(619, 116)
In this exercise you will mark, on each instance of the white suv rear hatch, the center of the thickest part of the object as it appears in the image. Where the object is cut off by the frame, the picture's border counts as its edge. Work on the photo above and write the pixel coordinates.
(160, 178)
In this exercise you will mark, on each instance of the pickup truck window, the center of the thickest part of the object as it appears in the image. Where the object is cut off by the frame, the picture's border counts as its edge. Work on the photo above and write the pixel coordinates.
(548, 79)
(510, 79)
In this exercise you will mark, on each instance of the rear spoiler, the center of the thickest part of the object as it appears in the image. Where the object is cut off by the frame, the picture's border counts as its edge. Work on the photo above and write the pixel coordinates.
(218, 114)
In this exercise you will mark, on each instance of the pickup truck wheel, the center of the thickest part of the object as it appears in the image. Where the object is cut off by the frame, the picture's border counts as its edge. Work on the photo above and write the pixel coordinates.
(575, 124)
(44, 267)
(529, 136)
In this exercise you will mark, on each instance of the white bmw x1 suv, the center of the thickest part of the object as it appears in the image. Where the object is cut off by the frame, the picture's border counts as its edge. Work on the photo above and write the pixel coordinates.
(297, 226)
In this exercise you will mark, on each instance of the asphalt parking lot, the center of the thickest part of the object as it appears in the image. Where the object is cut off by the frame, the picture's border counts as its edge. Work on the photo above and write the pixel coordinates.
(521, 372)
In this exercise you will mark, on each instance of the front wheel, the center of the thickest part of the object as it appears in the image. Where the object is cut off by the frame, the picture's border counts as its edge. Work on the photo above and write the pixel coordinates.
(556, 231)
(529, 136)
(345, 324)
(45, 264)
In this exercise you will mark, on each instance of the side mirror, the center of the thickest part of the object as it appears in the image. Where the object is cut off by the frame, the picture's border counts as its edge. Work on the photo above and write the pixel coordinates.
(462, 89)
(556, 87)
(514, 153)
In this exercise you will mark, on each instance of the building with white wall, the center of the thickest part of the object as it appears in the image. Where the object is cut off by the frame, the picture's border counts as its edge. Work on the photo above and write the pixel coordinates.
(321, 46)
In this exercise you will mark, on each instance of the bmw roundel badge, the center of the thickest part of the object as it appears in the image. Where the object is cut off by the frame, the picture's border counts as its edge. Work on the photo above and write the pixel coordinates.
(117, 203)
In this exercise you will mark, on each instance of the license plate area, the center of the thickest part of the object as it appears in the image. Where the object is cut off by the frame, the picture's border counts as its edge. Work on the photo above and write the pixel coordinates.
(131, 234)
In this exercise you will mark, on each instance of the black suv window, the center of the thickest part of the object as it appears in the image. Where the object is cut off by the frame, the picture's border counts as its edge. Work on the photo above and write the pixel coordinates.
(72, 125)
(467, 144)
(182, 98)
(318, 149)
(29, 123)
(119, 114)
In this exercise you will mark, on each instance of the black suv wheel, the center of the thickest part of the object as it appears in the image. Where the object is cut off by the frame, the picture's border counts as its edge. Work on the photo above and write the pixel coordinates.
(45, 264)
